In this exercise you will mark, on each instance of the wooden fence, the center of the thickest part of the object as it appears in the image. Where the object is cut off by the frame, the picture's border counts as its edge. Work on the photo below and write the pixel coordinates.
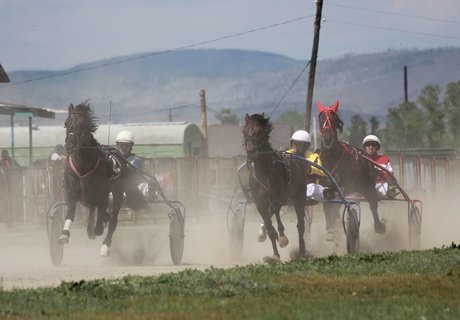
(203, 185)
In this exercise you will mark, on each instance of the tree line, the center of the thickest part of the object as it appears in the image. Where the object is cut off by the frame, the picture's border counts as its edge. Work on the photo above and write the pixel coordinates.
(432, 121)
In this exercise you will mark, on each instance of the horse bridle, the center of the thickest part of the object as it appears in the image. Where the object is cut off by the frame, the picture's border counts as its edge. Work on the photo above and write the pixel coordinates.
(249, 136)
(327, 126)
(71, 148)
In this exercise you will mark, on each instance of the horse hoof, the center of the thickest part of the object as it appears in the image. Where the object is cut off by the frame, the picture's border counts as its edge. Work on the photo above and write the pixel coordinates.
(99, 230)
(271, 259)
(262, 233)
(283, 241)
(380, 227)
(261, 238)
(105, 251)
(64, 237)
(91, 234)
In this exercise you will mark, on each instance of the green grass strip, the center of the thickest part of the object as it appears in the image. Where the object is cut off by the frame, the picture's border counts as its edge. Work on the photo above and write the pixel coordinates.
(396, 285)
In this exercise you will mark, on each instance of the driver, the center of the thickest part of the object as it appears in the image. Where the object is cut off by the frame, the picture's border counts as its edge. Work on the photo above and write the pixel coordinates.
(138, 192)
(300, 145)
(371, 145)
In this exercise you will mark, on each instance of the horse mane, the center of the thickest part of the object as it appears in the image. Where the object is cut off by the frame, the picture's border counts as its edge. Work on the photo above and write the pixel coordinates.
(264, 121)
(339, 123)
(87, 119)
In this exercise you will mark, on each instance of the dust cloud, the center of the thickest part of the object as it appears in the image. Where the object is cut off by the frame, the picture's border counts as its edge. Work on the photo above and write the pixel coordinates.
(143, 248)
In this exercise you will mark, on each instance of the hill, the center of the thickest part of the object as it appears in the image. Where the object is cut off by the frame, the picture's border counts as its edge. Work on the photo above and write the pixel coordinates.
(143, 87)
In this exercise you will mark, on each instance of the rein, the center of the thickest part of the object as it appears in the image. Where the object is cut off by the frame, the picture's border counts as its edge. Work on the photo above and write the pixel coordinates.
(338, 162)
(353, 153)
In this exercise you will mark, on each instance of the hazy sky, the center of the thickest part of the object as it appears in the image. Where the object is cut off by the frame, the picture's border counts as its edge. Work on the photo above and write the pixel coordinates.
(58, 34)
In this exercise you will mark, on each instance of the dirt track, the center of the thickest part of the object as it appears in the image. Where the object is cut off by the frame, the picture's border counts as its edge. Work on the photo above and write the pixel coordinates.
(144, 249)
(141, 249)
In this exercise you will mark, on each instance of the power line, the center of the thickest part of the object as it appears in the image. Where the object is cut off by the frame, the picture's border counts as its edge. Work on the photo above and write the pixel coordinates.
(290, 88)
(392, 13)
(103, 65)
(154, 111)
(394, 29)
(177, 107)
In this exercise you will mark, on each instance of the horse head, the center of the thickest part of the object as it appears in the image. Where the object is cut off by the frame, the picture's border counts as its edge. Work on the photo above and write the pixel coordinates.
(256, 132)
(329, 123)
(80, 126)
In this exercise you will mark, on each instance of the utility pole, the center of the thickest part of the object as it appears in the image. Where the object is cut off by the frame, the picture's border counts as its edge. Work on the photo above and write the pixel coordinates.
(406, 95)
(314, 56)
(203, 119)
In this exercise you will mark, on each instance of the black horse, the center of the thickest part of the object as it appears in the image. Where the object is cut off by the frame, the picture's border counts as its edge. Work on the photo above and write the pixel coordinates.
(351, 171)
(274, 179)
(89, 177)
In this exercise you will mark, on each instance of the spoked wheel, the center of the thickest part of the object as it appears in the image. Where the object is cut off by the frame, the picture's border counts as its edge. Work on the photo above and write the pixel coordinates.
(55, 224)
(176, 235)
(352, 223)
(235, 223)
(415, 226)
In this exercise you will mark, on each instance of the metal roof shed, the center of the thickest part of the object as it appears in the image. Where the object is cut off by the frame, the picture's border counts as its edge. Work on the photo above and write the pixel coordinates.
(154, 140)
(22, 110)
(160, 139)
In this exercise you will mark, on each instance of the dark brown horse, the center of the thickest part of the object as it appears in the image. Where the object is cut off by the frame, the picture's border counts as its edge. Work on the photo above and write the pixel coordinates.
(351, 171)
(273, 180)
(88, 177)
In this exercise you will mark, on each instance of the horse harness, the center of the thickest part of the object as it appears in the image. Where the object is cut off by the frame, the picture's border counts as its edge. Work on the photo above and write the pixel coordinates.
(277, 158)
(82, 176)
(107, 157)
(353, 153)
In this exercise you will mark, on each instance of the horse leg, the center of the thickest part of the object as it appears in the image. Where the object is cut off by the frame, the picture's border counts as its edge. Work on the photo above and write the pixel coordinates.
(275, 208)
(90, 228)
(101, 218)
(273, 235)
(372, 197)
(262, 233)
(332, 215)
(300, 213)
(69, 217)
(379, 225)
(112, 226)
(262, 207)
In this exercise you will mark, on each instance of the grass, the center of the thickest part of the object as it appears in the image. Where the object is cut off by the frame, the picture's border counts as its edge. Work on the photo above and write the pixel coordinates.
(400, 285)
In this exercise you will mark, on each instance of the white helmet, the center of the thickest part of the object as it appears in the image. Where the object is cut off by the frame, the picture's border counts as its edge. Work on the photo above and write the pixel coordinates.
(301, 135)
(125, 136)
(371, 138)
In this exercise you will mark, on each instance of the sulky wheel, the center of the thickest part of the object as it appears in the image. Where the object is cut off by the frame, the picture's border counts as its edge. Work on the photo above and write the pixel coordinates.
(415, 227)
(352, 223)
(55, 224)
(236, 231)
(176, 235)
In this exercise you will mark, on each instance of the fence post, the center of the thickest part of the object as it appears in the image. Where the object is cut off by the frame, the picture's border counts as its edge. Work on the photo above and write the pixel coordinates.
(433, 176)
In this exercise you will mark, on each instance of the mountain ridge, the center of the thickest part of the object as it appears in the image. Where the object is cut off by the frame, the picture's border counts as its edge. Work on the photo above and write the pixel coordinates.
(147, 86)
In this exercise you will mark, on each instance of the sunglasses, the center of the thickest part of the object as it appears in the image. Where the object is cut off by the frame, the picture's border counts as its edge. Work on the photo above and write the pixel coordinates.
(371, 145)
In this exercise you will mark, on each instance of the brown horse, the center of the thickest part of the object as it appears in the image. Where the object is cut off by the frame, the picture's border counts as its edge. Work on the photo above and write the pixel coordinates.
(351, 171)
(274, 179)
